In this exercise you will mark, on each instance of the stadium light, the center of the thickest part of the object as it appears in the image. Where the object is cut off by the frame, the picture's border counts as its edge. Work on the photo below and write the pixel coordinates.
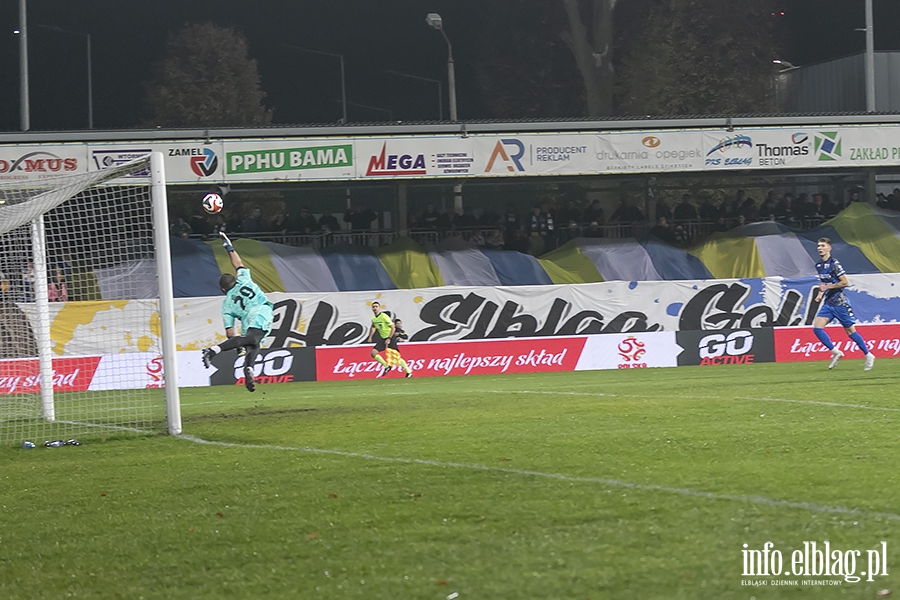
(787, 66)
(90, 78)
(435, 21)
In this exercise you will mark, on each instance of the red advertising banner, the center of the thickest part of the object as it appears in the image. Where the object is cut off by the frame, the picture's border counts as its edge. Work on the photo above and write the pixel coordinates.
(22, 376)
(795, 344)
(437, 359)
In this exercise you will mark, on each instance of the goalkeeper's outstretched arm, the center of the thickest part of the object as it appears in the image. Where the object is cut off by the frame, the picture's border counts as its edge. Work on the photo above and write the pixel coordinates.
(232, 253)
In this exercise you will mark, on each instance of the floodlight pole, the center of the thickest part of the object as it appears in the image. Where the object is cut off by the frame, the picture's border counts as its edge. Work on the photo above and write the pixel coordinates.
(24, 116)
(434, 20)
(870, 59)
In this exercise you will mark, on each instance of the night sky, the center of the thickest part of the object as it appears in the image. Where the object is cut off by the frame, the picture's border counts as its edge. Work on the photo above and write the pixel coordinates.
(374, 36)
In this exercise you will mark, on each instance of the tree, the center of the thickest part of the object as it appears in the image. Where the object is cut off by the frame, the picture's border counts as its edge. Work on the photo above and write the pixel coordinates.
(592, 46)
(207, 80)
(691, 57)
(523, 68)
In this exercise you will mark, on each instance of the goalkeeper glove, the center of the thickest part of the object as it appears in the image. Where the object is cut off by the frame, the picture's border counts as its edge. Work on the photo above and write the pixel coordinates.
(226, 242)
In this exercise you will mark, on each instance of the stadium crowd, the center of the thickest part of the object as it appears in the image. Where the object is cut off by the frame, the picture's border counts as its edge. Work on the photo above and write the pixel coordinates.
(535, 231)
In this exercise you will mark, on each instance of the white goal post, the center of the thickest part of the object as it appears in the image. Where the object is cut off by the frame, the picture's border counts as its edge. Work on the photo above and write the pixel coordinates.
(87, 253)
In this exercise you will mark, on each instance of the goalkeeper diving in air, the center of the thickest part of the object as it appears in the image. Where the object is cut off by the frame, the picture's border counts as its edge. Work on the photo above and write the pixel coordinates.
(245, 301)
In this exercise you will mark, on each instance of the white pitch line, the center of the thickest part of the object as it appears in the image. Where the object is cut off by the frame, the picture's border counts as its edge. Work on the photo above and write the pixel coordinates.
(821, 403)
(550, 392)
(821, 508)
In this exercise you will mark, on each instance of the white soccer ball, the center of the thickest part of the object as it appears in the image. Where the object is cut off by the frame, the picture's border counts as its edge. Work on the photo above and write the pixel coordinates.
(212, 203)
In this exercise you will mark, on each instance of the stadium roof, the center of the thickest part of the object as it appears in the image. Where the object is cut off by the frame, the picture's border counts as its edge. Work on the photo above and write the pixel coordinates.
(456, 128)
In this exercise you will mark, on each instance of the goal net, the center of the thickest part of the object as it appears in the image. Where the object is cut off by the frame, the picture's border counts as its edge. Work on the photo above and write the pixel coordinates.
(86, 314)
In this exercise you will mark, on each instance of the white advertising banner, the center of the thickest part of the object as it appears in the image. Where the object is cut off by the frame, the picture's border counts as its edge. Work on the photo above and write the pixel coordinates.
(476, 155)
(415, 157)
(642, 152)
(629, 351)
(33, 163)
(535, 154)
(472, 313)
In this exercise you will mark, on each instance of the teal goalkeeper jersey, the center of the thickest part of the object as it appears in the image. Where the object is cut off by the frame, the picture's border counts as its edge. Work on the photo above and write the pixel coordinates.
(247, 303)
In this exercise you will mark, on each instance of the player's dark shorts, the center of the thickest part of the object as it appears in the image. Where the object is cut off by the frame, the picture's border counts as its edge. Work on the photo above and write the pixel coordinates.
(842, 312)
(380, 342)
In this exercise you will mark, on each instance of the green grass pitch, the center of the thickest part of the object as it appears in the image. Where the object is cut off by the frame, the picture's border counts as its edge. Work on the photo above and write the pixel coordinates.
(613, 484)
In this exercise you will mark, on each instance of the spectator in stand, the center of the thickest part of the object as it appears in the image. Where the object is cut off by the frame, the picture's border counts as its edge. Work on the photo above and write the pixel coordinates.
(522, 242)
(467, 220)
(819, 208)
(28, 282)
(360, 218)
(681, 235)
(572, 230)
(449, 221)
(767, 207)
(328, 223)
(663, 210)
(708, 210)
(740, 221)
(570, 213)
(727, 209)
(56, 287)
(782, 209)
(494, 239)
(477, 239)
(881, 200)
(278, 222)
(594, 213)
(855, 196)
(200, 224)
(796, 203)
(180, 229)
(232, 218)
(739, 199)
(489, 218)
(511, 225)
(252, 222)
(305, 223)
(552, 226)
(720, 225)
(831, 210)
(627, 213)
(594, 230)
(430, 219)
(537, 229)
(685, 211)
(749, 210)
(216, 224)
(663, 231)
(893, 200)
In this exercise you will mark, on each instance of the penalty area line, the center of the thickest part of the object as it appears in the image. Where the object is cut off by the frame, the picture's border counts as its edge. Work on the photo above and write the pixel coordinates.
(645, 487)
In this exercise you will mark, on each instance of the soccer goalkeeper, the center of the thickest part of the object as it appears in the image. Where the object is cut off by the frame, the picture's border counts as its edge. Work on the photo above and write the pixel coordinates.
(245, 301)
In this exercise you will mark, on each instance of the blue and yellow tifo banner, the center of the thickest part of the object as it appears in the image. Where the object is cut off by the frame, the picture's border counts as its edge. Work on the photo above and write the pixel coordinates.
(864, 239)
